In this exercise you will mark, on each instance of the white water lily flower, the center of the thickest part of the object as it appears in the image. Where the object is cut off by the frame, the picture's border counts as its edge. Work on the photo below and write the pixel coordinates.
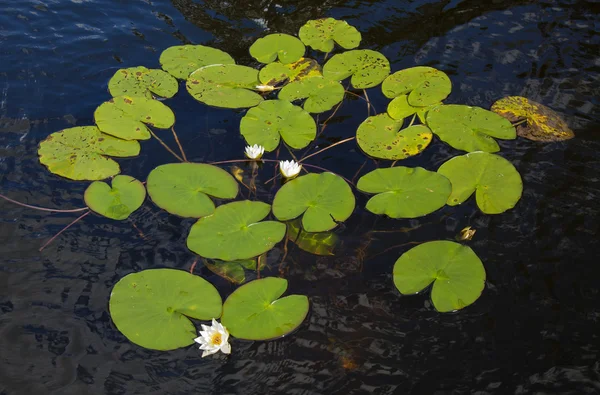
(289, 168)
(265, 88)
(255, 151)
(213, 338)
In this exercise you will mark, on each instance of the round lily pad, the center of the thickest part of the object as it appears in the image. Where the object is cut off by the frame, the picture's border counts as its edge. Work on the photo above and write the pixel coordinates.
(228, 86)
(423, 86)
(235, 232)
(184, 188)
(405, 192)
(321, 94)
(264, 124)
(469, 128)
(367, 68)
(140, 81)
(125, 117)
(541, 123)
(380, 137)
(255, 310)
(117, 202)
(495, 180)
(277, 72)
(321, 34)
(181, 60)
(286, 48)
(325, 199)
(80, 153)
(151, 308)
(457, 274)
(400, 108)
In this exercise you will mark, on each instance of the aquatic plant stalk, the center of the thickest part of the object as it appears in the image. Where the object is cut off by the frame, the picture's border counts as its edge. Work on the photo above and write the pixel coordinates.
(65, 228)
(166, 146)
(178, 143)
(328, 147)
(52, 210)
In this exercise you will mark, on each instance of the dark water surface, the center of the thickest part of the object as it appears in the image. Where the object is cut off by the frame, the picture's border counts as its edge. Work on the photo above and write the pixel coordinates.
(535, 330)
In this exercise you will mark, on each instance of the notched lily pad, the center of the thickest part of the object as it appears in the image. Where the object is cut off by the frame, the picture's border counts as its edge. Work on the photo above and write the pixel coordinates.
(541, 122)
(80, 153)
(400, 108)
(256, 311)
(151, 308)
(423, 86)
(227, 86)
(323, 199)
(277, 72)
(469, 128)
(232, 271)
(380, 137)
(282, 47)
(264, 124)
(495, 180)
(117, 201)
(140, 81)
(322, 34)
(126, 117)
(457, 274)
(321, 94)
(405, 192)
(181, 60)
(367, 68)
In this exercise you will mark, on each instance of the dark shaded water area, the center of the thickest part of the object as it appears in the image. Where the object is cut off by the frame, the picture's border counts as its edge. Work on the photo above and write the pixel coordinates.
(533, 331)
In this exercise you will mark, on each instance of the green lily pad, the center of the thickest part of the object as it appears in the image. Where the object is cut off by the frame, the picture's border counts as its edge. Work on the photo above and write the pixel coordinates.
(423, 86)
(321, 94)
(277, 72)
(117, 202)
(126, 117)
(140, 81)
(321, 34)
(457, 274)
(405, 192)
(264, 124)
(317, 243)
(325, 199)
(542, 123)
(151, 308)
(184, 188)
(399, 108)
(380, 137)
(286, 48)
(80, 153)
(367, 68)
(227, 86)
(495, 180)
(469, 128)
(234, 232)
(255, 312)
(181, 60)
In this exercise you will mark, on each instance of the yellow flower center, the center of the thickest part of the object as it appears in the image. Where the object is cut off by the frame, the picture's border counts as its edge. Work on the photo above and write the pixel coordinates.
(215, 340)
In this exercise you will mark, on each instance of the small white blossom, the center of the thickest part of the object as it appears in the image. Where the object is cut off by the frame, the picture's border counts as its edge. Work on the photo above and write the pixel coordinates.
(255, 151)
(265, 88)
(289, 168)
(213, 338)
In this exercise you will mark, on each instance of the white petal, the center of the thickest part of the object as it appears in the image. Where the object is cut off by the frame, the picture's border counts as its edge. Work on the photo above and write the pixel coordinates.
(209, 352)
(226, 348)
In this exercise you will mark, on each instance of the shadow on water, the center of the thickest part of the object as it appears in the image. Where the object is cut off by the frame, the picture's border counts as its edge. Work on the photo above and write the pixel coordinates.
(534, 330)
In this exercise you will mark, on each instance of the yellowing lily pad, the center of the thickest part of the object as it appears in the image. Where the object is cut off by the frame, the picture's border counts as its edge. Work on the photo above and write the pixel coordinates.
(255, 310)
(264, 124)
(405, 192)
(140, 81)
(80, 153)
(542, 123)
(325, 199)
(495, 180)
(282, 47)
(321, 94)
(469, 128)
(235, 232)
(380, 137)
(227, 86)
(181, 60)
(457, 274)
(184, 188)
(277, 72)
(423, 86)
(367, 68)
(126, 117)
(322, 34)
(151, 308)
(117, 202)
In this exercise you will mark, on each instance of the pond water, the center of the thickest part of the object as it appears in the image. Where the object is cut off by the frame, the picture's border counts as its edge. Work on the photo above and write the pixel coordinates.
(535, 328)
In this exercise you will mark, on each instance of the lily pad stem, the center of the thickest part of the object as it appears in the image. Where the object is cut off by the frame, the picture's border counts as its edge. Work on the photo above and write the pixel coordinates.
(326, 148)
(411, 123)
(369, 105)
(178, 143)
(522, 121)
(166, 146)
(323, 126)
(52, 210)
(65, 228)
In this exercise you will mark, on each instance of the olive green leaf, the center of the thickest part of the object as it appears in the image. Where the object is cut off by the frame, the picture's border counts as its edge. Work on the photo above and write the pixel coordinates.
(423, 86)
(367, 68)
(79, 153)
(321, 34)
(181, 60)
(399, 108)
(321, 94)
(318, 243)
(140, 81)
(286, 48)
(117, 202)
(232, 271)
(277, 72)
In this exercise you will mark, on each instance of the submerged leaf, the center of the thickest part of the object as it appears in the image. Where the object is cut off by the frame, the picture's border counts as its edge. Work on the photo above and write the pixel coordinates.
(117, 201)
(367, 68)
(181, 60)
(318, 243)
(140, 81)
(232, 271)
(277, 72)
(423, 86)
(321, 94)
(286, 48)
(320, 34)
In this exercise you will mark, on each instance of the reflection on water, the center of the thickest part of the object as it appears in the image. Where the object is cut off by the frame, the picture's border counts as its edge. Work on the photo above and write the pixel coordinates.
(532, 331)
